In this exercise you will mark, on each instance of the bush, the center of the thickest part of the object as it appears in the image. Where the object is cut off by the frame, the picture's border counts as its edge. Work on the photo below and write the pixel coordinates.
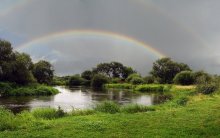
(184, 78)
(207, 85)
(137, 80)
(99, 80)
(48, 113)
(107, 107)
(116, 80)
(75, 80)
(207, 88)
(135, 108)
(149, 79)
(5, 88)
(134, 75)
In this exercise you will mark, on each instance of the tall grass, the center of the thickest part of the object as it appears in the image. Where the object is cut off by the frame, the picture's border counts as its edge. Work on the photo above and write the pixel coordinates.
(153, 88)
(6, 119)
(48, 113)
(135, 108)
(107, 107)
(7, 90)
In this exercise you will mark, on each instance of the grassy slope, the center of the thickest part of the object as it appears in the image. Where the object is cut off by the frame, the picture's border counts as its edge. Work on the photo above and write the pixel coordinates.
(199, 118)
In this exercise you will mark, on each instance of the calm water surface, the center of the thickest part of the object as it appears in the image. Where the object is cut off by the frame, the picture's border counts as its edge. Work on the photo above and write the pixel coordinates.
(81, 98)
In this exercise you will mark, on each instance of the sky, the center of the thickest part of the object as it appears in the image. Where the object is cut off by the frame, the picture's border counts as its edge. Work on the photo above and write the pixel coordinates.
(76, 35)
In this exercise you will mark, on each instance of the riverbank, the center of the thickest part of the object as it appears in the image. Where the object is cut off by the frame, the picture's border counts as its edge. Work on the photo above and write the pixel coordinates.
(189, 114)
(149, 87)
(9, 89)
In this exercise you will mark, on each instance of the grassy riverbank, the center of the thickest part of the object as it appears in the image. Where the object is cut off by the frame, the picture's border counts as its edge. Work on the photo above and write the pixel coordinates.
(188, 114)
(9, 89)
(148, 87)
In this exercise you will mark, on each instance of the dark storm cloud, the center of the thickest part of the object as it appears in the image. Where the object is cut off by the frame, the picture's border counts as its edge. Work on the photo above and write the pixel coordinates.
(187, 31)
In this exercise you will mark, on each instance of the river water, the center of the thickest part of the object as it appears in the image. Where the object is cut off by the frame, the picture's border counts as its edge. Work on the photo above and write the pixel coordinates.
(81, 98)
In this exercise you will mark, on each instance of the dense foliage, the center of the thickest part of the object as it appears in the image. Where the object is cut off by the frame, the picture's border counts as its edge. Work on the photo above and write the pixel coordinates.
(184, 78)
(19, 68)
(99, 80)
(165, 69)
(113, 69)
(43, 72)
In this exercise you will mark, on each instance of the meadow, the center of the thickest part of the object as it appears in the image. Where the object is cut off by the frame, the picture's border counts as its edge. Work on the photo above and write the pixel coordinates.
(188, 114)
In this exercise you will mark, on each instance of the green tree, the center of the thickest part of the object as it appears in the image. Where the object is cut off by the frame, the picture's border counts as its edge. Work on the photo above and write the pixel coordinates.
(87, 75)
(22, 67)
(114, 70)
(6, 58)
(43, 71)
(165, 69)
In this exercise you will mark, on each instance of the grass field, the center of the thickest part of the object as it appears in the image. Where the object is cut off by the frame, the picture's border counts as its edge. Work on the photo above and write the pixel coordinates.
(198, 117)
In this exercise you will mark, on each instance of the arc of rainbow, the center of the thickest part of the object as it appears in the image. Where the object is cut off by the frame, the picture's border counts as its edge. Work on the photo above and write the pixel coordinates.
(13, 6)
(92, 33)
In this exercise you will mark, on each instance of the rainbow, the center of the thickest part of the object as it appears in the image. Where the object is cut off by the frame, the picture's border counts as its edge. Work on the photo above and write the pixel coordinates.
(8, 6)
(92, 33)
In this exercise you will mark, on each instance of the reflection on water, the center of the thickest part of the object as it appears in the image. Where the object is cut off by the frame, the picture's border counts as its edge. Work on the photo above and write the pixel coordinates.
(81, 98)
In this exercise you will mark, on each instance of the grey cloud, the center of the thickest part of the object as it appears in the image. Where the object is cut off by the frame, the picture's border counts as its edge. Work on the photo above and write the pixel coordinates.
(187, 31)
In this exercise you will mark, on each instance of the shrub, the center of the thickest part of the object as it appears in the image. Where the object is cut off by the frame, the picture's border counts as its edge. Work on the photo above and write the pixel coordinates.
(130, 77)
(107, 107)
(206, 85)
(184, 78)
(99, 80)
(137, 80)
(135, 108)
(149, 79)
(201, 76)
(48, 113)
(5, 88)
(116, 80)
(75, 80)
(207, 88)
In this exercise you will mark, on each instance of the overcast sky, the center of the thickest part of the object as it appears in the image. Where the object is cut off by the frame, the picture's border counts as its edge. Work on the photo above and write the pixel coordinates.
(186, 30)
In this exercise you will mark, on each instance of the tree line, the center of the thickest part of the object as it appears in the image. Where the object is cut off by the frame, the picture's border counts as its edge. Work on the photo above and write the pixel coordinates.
(19, 68)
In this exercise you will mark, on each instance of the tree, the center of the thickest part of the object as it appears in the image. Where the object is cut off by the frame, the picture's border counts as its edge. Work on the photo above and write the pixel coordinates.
(6, 51)
(127, 71)
(114, 70)
(6, 58)
(21, 69)
(165, 69)
(87, 75)
(43, 71)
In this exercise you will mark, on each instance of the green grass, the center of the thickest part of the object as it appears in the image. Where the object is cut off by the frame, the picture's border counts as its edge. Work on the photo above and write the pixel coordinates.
(7, 89)
(140, 88)
(188, 114)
